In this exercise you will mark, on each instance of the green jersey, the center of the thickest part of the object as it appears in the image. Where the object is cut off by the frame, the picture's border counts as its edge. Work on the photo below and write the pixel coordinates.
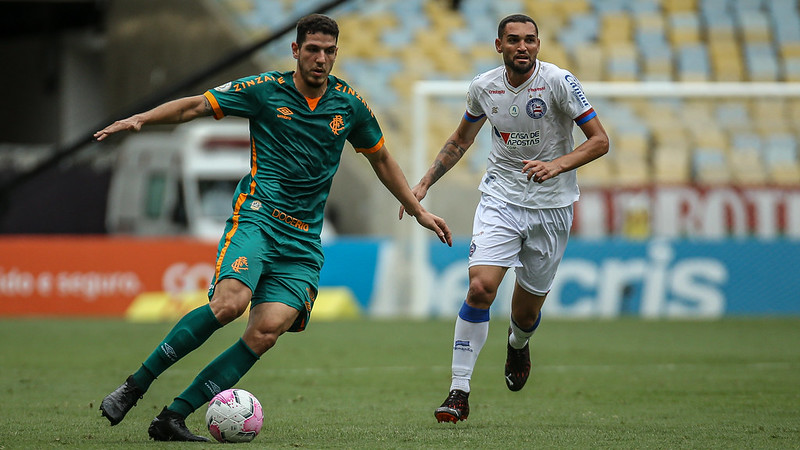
(296, 146)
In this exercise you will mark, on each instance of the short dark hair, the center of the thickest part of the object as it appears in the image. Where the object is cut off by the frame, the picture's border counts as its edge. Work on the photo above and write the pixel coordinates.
(520, 18)
(316, 23)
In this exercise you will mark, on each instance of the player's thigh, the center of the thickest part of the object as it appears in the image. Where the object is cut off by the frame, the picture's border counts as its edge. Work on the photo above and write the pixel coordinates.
(240, 255)
(294, 288)
(543, 249)
(496, 234)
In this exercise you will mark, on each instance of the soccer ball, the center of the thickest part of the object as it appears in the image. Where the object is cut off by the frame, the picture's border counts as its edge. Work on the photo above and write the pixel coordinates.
(234, 415)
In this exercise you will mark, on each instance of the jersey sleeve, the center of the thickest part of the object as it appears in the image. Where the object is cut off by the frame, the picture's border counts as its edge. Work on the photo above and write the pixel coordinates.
(366, 136)
(237, 98)
(573, 100)
(474, 110)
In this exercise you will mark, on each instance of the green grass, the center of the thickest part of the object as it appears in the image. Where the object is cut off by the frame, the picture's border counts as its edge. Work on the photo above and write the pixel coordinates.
(626, 383)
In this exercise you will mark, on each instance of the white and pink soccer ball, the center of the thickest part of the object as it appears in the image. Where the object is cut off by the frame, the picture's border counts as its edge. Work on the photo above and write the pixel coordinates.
(234, 415)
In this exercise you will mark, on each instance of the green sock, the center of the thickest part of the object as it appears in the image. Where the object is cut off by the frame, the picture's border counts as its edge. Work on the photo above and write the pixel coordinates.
(222, 373)
(189, 333)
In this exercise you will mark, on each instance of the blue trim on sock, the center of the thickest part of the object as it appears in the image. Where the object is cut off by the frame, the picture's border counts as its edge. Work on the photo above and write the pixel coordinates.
(473, 315)
(533, 328)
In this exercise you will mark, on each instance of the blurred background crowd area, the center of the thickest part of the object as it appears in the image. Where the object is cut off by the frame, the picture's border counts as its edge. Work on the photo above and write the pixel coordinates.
(387, 45)
(75, 65)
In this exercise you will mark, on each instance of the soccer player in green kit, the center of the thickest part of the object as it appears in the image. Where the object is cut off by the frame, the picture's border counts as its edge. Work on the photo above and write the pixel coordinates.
(269, 256)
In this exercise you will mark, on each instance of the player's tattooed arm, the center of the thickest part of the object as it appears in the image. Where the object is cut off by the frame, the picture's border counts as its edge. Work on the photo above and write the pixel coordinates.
(448, 156)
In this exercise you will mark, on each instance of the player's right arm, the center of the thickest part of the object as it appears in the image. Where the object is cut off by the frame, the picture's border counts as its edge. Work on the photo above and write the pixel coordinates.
(454, 148)
(175, 111)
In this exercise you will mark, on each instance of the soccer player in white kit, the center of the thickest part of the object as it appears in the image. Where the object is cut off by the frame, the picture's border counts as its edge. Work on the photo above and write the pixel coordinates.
(525, 212)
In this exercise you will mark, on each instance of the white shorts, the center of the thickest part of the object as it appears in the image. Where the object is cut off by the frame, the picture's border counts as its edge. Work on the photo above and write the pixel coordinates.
(530, 240)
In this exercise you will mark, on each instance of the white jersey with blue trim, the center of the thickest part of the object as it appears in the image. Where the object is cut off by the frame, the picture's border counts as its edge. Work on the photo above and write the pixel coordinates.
(530, 122)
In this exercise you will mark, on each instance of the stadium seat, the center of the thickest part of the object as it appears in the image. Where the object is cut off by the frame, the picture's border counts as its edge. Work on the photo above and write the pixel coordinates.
(762, 63)
(684, 28)
(671, 164)
(389, 44)
(710, 166)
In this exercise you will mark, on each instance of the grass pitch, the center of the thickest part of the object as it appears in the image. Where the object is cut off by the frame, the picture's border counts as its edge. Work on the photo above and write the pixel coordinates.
(626, 383)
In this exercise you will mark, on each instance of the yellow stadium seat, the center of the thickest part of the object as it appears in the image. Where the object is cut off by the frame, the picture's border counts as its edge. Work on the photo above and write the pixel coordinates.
(680, 5)
(598, 173)
(747, 168)
(615, 29)
(631, 171)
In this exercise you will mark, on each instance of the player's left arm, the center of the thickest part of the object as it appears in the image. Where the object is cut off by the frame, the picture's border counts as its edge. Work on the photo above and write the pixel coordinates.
(595, 146)
(391, 175)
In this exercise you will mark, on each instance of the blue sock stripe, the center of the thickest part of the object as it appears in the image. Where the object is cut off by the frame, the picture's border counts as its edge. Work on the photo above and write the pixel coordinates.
(533, 328)
(473, 315)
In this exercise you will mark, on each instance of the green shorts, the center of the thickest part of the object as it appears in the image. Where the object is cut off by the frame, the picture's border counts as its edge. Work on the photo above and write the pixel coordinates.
(275, 266)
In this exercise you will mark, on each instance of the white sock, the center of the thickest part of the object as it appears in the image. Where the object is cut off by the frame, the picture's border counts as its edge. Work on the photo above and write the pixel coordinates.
(519, 337)
(467, 344)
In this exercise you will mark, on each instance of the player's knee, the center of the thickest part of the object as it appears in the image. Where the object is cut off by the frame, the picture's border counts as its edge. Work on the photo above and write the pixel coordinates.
(231, 299)
(227, 309)
(260, 340)
(481, 294)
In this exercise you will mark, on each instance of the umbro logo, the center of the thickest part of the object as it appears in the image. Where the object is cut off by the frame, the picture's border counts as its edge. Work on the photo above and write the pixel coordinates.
(212, 387)
(285, 113)
(169, 352)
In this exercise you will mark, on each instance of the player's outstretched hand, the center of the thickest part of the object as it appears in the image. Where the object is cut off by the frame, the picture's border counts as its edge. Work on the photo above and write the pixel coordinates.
(437, 225)
(418, 192)
(131, 124)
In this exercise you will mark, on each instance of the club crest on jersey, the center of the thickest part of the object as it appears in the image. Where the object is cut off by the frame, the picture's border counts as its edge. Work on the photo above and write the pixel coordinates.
(536, 108)
(337, 124)
(240, 264)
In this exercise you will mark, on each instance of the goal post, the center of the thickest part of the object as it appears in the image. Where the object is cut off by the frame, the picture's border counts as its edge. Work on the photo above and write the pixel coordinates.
(424, 93)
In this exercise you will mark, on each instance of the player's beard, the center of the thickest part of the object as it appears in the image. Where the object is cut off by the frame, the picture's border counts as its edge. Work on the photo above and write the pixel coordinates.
(520, 68)
(312, 79)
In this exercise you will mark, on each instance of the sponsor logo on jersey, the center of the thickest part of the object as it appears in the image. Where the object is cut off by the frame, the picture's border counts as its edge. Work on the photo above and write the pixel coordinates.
(256, 80)
(514, 110)
(536, 108)
(224, 88)
(577, 91)
(283, 217)
(514, 139)
(472, 248)
(340, 87)
(240, 264)
(337, 124)
(497, 91)
(285, 113)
